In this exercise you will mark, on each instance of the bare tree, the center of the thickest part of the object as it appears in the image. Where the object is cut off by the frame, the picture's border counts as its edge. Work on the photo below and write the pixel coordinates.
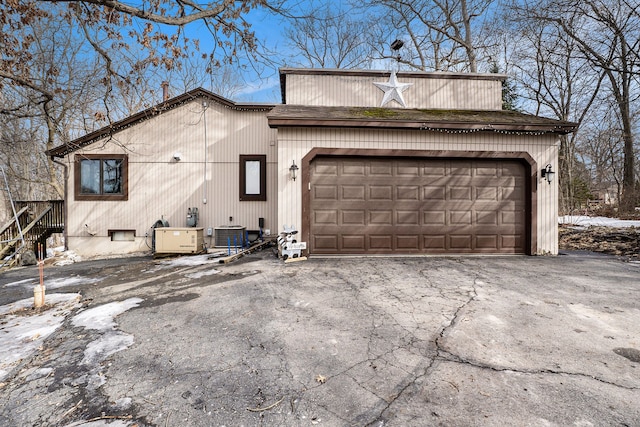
(47, 110)
(606, 33)
(329, 39)
(70, 66)
(439, 35)
(551, 76)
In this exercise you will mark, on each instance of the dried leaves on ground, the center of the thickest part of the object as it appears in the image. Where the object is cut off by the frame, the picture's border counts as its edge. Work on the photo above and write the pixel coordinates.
(608, 240)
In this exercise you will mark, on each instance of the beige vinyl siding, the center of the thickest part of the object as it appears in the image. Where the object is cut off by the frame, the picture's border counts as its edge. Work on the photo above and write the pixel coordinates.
(161, 187)
(359, 91)
(295, 143)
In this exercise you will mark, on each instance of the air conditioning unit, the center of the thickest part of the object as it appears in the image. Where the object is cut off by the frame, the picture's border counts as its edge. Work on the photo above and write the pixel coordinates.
(233, 235)
(177, 240)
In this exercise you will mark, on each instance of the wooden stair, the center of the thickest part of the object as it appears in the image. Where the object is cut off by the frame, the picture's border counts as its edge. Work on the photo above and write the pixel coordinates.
(37, 220)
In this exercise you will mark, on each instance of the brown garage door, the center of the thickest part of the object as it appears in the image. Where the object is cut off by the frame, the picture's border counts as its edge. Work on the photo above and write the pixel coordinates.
(374, 205)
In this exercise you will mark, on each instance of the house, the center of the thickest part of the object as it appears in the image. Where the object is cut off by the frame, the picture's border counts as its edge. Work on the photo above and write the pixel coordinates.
(386, 163)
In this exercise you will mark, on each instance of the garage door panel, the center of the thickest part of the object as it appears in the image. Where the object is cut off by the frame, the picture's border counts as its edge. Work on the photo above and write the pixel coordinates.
(459, 193)
(487, 169)
(511, 193)
(434, 192)
(434, 243)
(380, 168)
(486, 217)
(408, 242)
(353, 217)
(325, 217)
(381, 217)
(511, 241)
(511, 169)
(325, 192)
(486, 193)
(329, 168)
(404, 192)
(353, 169)
(459, 218)
(407, 217)
(461, 168)
(417, 206)
(488, 241)
(435, 168)
(408, 169)
(460, 241)
(325, 243)
(353, 192)
(353, 242)
(381, 242)
(511, 217)
(434, 217)
(381, 192)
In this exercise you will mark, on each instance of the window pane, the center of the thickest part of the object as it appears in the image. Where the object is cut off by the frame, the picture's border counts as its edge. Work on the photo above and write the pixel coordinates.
(112, 176)
(252, 176)
(90, 177)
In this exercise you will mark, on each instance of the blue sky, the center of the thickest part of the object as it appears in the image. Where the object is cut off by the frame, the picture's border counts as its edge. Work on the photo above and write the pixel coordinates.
(270, 32)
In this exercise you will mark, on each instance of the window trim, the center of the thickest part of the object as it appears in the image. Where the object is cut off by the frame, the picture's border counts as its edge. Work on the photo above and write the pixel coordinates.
(78, 172)
(262, 158)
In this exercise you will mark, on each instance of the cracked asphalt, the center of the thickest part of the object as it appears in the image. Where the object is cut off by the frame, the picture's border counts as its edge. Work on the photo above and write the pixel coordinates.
(425, 341)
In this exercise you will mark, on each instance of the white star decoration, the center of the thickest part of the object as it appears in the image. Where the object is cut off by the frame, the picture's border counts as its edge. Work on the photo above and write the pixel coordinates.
(393, 90)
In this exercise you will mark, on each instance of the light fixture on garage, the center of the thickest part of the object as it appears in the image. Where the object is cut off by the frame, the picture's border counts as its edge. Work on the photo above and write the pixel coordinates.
(547, 173)
(293, 170)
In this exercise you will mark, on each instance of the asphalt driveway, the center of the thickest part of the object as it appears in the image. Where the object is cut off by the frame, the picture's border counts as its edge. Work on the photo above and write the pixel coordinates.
(452, 341)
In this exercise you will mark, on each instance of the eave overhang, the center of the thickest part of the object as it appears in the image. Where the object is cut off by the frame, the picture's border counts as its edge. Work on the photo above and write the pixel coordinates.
(450, 121)
(115, 127)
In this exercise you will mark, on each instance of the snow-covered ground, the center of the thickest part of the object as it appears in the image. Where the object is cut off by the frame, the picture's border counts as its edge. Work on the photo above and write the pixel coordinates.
(22, 330)
(586, 221)
(21, 333)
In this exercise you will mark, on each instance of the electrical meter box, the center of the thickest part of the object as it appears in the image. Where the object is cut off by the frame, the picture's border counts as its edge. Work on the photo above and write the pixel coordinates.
(177, 240)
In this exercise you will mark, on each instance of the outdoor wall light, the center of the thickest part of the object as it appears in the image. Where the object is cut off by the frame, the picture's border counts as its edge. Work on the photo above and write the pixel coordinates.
(547, 173)
(293, 170)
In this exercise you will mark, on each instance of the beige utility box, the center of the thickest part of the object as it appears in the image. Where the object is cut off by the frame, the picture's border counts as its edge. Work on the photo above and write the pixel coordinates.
(176, 240)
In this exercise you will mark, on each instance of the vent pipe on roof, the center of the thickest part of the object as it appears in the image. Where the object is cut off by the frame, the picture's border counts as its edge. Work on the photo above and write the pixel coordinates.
(165, 91)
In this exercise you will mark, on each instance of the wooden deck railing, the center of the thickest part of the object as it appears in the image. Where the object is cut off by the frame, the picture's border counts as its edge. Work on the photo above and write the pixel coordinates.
(53, 219)
(37, 221)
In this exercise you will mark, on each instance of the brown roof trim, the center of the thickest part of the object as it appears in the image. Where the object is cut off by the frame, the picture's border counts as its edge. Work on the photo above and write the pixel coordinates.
(433, 120)
(107, 131)
(382, 74)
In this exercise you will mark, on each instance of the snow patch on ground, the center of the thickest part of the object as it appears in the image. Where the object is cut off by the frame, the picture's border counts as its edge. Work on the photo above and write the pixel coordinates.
(61, 283)
(21, 334)
(586, 221)
(201, 274)
(101, 318)
(25, 283)
(188, 261)
(105, 346)
(67, 258)
(54, 283)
